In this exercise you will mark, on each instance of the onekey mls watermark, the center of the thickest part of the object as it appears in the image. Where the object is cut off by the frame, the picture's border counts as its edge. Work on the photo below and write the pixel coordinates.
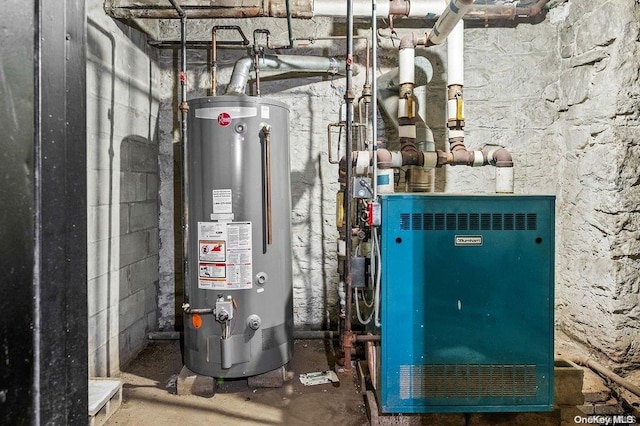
(600, 419)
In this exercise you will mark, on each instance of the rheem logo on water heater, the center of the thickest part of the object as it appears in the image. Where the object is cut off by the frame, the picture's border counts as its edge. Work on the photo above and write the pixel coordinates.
(224, 119)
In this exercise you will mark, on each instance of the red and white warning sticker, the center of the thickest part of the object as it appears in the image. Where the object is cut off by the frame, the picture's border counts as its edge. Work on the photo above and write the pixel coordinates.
(212, 251)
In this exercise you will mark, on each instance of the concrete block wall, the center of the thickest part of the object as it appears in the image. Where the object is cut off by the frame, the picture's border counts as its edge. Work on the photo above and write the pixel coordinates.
(561, 95)
(122, 193)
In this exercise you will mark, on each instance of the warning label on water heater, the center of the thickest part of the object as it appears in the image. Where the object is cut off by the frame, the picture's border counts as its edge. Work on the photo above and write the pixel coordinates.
(224, 256)
(222, 201)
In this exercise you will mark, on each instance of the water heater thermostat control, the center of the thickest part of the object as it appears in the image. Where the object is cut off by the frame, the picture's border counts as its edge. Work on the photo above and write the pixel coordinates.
(224, 310)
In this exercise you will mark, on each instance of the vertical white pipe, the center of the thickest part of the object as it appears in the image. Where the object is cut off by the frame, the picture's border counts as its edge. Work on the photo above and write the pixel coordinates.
(455, 71)
(407, 73)
(455, 55)
(374, 96)
(504, 180)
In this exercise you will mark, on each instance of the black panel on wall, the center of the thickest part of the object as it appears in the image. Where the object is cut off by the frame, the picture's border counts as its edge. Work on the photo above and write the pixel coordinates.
(16, 212)
(43, 308)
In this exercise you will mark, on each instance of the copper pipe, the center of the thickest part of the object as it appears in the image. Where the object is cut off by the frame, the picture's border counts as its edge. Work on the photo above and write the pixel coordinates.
(214, 62)
(269, 224)
(266, 173)
(531, 11)
(214, 51)
(490, 13)
(367, 337)
(603, 371)
(509, 12)
(257, 52)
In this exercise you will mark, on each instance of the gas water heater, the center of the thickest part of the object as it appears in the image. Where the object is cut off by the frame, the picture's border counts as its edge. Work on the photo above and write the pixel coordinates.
(239, 318)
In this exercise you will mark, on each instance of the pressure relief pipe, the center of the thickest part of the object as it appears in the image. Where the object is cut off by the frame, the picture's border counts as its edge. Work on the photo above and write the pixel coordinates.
(184, 109)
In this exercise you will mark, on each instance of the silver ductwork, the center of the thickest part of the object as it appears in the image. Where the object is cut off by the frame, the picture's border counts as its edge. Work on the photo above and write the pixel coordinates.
(280, 64)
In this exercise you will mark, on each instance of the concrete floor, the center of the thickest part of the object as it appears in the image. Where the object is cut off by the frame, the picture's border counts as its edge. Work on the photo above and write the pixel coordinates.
(147, 400)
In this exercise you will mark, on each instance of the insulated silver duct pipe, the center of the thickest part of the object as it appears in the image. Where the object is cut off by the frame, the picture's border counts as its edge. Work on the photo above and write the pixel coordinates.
(280, 64)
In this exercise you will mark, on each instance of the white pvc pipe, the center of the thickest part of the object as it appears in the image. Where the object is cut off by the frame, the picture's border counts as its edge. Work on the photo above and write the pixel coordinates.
(427, 8)
(407, 73)
(430, 160)
(504, 180)
(362, 8)
(396, 159)
(448, 20)
(456, 133)
(452, 111)
(455, 55)
(338, 8)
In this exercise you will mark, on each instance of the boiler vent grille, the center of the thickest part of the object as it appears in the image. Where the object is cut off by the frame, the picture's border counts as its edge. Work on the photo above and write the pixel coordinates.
(466, 381)
(469, 221)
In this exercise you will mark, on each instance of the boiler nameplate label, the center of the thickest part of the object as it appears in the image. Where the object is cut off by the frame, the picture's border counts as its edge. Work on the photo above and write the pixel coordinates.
(468, 240)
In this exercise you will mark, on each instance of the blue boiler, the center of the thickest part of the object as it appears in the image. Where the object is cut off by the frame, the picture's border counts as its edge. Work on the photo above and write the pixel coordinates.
(467, 303)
